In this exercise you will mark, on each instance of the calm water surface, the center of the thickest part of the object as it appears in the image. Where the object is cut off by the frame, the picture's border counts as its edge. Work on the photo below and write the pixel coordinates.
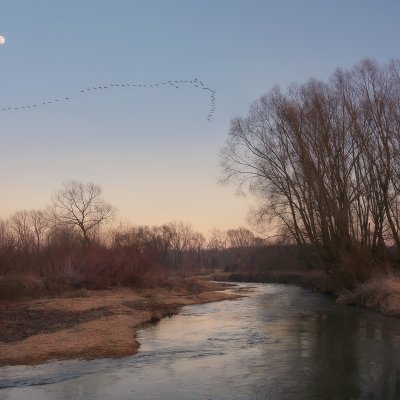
(281, 342)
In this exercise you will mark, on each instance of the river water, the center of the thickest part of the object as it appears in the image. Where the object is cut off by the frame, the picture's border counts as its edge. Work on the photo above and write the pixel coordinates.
(281, 342)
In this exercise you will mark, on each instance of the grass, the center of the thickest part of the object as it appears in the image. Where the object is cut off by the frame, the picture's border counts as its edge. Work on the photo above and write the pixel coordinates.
(17, 286)
(380, 292)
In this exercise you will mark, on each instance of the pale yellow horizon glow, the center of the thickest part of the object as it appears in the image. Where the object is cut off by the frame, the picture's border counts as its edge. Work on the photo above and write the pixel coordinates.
(209, 207)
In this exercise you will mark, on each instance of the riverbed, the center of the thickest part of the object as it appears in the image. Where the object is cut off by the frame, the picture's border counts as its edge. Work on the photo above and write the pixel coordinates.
(279, 342)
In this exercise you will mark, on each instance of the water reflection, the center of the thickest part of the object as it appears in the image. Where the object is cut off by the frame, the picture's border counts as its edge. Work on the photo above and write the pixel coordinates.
(280, 343)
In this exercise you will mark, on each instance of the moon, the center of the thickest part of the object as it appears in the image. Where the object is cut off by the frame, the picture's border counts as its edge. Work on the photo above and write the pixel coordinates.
(2, 40)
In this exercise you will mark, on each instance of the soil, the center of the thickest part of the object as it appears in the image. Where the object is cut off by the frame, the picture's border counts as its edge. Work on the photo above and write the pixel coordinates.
(96, 325)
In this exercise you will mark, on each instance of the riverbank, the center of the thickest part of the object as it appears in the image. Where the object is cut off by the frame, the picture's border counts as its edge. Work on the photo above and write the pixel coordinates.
(94, 324)
(317, 281)
(381, 292)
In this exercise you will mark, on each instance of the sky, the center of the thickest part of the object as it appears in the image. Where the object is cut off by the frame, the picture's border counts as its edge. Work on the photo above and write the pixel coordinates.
(151, 149)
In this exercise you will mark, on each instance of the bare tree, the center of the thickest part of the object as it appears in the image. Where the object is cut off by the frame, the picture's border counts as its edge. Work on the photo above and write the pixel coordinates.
(196, 245)
(6, 235)
(241, 237)
(182, 238)
(323, 160)
(82, 206)
(21, 226)
(40, 225)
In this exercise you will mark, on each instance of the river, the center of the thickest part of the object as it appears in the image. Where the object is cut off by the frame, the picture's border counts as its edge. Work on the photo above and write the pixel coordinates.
(280, 342)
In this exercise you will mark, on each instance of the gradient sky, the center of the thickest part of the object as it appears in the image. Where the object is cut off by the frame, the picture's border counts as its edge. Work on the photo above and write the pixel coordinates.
(152, 149)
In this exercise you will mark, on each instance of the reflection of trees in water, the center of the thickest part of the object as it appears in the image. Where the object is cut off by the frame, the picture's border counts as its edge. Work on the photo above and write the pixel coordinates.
(380, 368)
(335, 355)
(330, 356)
(351, 359)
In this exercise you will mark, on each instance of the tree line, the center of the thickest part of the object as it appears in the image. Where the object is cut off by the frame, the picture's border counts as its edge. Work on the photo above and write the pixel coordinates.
(75, 241)
(323, 161)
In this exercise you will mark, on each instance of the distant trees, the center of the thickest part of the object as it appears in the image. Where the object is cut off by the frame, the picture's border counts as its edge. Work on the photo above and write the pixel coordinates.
(175, 245)
(40, 225)
(323, 159)
(21, 226)
(240, 237)
(63, 246)
(184, 240)
(80, 205)
(29, 229)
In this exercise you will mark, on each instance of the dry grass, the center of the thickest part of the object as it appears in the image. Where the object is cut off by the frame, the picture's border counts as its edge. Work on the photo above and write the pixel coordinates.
(101, 324)
(381, 292)
(20, 285)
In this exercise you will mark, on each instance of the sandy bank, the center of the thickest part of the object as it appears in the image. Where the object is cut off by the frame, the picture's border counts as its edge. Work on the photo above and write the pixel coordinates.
(99, 324)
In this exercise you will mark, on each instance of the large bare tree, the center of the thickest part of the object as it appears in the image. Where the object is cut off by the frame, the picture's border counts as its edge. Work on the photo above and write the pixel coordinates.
(82, 206)
(323, 159)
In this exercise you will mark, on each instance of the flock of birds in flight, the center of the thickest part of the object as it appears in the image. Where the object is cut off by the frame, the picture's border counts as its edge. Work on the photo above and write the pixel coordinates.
(176, 84)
